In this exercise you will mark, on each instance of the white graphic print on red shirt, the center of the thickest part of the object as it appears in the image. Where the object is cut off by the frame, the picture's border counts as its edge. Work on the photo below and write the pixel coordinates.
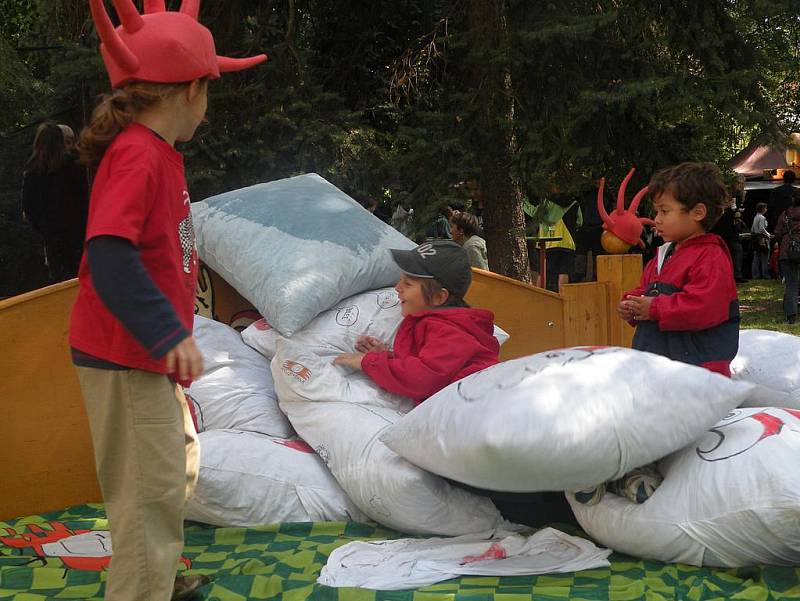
(186, 234)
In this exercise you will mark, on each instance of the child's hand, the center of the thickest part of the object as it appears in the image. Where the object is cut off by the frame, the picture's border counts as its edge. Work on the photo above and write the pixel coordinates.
(352, 360)
(624, 310)
(366, 344)
(185, 361)
(640, 307)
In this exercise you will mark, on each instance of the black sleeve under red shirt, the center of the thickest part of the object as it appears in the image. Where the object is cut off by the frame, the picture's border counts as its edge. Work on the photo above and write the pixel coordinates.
(124, 286)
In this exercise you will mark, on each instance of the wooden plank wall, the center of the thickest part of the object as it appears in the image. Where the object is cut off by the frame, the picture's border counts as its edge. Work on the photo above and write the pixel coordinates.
(532, 316)
(46, 459)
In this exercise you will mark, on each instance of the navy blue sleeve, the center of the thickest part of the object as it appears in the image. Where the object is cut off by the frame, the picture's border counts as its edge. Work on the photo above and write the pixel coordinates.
(129, 293)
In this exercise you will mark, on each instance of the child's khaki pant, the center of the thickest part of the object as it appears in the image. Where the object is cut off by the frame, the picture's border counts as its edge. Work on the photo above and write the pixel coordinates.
(147, 457)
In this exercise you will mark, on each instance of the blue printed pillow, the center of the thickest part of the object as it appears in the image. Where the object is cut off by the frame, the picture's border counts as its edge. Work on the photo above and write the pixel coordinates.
(295, 247)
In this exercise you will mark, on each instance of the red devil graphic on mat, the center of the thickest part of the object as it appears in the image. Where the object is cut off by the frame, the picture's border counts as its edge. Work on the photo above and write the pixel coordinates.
(753, 427)
(77, 549)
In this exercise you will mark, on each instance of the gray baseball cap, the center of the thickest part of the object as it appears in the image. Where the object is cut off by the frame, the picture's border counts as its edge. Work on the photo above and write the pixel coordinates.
(442, 260)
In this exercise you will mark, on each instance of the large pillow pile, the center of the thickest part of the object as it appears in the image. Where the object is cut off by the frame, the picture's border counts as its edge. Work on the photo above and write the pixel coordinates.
(563, 420)
(295, 247)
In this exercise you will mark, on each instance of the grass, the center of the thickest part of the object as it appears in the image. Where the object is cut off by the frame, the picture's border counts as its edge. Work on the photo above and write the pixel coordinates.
(761, 305)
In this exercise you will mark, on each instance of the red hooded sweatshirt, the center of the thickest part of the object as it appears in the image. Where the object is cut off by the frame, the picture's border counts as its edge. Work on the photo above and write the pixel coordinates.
(433, 349)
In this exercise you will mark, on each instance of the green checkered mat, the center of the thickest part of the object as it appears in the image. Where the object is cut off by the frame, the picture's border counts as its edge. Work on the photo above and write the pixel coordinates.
(282, 562)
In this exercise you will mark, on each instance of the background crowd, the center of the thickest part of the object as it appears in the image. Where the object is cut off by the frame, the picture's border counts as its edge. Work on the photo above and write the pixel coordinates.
(55, 199)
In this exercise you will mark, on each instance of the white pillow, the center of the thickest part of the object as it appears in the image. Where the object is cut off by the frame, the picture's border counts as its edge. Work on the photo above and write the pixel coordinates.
(563, 420)
(375, 313)
(249, 479)
(236, 389)
(729, 499)
(342, 417)
(772, 360)
(501, 335)
(295, 247)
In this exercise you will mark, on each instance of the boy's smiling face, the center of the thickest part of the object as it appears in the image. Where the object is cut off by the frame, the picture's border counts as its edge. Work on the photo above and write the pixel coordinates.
(674, 222)
(412, 299)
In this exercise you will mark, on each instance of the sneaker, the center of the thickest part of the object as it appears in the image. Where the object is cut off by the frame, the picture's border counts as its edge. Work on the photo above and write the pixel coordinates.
(590, 496)
(638, 485)
(186, 586)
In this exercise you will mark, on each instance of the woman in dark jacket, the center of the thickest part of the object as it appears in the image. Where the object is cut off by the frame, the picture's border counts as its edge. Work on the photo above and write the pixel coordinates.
(788, 227)
(55, 201)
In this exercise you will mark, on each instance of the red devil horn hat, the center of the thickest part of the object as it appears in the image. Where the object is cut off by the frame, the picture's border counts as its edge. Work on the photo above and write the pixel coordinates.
(159, 45)
(624, 224)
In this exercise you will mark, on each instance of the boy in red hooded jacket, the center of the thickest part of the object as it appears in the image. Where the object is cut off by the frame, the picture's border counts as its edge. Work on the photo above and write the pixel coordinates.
(441, 339)
(686, 306)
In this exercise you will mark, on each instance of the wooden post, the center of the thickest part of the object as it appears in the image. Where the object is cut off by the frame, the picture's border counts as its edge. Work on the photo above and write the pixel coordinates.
(586, 314)
(621, 272)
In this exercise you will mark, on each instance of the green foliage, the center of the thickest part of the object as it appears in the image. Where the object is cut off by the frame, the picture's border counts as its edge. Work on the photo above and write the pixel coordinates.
(19, 18)
(773, 29)
(392, 99)
(597, 86)
(18, 90)
(627, 84)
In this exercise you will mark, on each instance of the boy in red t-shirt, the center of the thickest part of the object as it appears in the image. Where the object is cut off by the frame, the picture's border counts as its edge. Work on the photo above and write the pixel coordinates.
(131, 325)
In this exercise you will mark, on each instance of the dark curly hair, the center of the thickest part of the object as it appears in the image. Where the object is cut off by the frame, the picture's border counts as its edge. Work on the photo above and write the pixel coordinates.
(692, 184)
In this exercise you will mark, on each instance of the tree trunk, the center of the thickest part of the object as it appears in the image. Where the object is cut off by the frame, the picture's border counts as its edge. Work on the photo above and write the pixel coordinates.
(504, 220)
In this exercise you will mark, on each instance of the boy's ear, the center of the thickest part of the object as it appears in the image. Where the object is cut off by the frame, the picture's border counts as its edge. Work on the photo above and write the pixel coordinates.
(195, 88)
(698, 212)
(441, 297)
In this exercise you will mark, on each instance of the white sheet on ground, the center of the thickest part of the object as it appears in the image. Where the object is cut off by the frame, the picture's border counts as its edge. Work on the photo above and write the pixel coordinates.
(410, 563)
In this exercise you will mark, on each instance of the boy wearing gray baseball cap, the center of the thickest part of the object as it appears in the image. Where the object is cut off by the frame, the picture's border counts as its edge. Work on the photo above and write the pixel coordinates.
(441, 339)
